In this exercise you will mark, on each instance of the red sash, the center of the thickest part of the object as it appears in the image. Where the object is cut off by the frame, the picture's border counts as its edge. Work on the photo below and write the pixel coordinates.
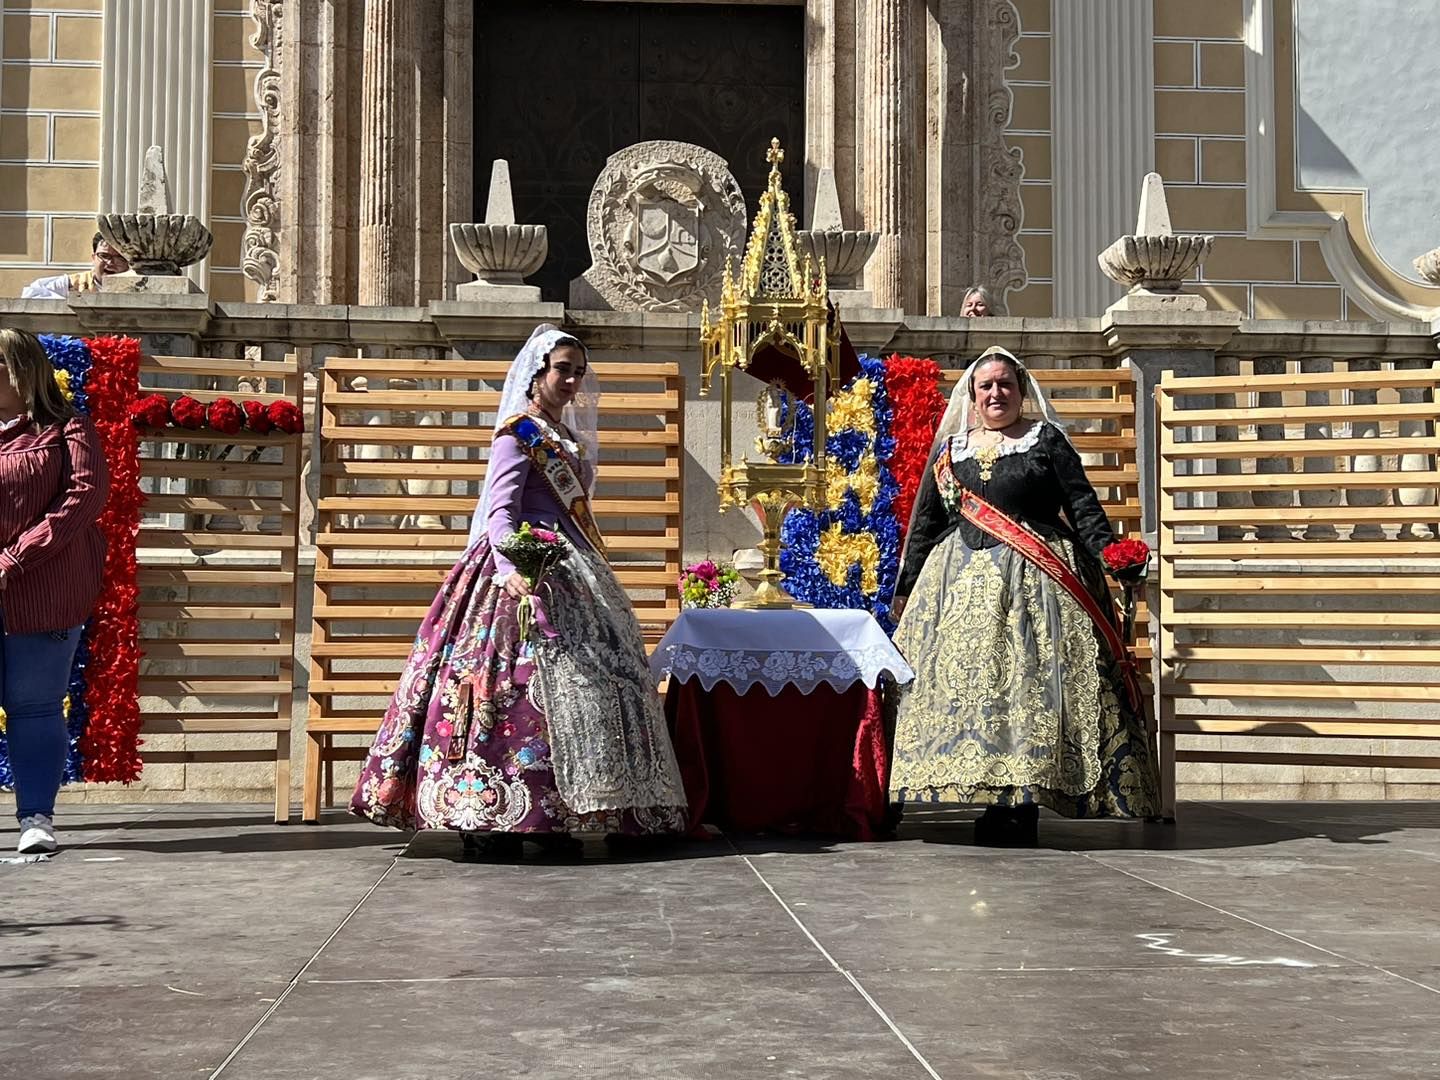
(1035, 551)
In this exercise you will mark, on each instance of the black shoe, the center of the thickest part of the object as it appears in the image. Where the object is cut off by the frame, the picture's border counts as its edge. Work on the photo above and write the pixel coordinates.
(1006, 826)
(492, 847)
(1027, 825)
(990, 826)
(625, 844)
(560, 847)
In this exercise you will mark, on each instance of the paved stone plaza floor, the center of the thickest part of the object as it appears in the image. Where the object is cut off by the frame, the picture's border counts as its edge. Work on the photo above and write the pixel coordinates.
(1282, 941)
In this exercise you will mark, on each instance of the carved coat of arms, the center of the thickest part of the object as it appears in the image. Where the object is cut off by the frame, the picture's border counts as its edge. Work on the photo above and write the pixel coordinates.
(663, 219)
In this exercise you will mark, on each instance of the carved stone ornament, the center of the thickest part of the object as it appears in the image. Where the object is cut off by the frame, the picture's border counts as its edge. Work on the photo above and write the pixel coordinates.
(842, 252)
(664, 219)
(155, 242)
(1153, 261)
(999, 258)
(1428, 266)
(260, 203)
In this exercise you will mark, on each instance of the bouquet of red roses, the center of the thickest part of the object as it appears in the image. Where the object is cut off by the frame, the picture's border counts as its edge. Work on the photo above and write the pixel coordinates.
(1128, 562)
(533, 551)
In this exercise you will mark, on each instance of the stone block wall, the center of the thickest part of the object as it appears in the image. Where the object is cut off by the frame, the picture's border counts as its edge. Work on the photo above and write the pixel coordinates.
(50, 138)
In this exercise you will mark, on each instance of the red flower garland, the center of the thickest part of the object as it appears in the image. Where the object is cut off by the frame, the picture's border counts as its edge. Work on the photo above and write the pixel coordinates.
(225, 416)
(285, 416)
(916, 406)
(110, 745)
(187, 413)
(257, 419)
(150, 411)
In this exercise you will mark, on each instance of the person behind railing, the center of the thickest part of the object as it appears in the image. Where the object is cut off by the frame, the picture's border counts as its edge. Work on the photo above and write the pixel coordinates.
(504, 738)
(104, 260)
(53, 484)
(977, 303)
(1024, 694)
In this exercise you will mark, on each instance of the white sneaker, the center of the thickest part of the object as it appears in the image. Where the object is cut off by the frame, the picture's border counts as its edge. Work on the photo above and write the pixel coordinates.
(37, 835)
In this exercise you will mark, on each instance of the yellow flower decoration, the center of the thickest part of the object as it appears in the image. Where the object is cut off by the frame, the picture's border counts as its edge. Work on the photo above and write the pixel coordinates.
(839, 550)
(853, 409)
(62, 380)
(2, 722)
(864, 481)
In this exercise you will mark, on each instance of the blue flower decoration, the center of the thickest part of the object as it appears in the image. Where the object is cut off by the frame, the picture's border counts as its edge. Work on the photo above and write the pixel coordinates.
(847, 450)
(529, 433)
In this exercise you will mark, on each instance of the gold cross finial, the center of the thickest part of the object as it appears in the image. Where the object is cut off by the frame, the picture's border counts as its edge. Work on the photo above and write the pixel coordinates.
(775, 155)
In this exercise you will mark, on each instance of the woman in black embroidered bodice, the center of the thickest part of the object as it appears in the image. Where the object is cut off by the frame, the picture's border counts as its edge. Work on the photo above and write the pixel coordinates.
(1037, 479)
(1018, 701)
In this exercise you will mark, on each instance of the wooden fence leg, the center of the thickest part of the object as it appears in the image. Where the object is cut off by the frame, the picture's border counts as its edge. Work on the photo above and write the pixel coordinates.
(282, 778)
(310, 807)
(1167, 775)
(329, 771)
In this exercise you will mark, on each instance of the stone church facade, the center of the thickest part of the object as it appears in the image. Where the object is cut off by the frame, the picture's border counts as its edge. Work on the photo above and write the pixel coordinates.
(1002, 142)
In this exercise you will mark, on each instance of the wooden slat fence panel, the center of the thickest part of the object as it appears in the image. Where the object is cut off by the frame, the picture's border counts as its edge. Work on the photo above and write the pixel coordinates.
(1299, 563)
(217, 556)
(401, 464)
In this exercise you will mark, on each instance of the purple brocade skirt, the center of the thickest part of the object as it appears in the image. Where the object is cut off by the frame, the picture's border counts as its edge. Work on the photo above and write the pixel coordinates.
(466, 744)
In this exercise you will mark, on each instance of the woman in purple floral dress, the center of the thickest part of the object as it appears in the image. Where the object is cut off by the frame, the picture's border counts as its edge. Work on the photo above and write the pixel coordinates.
(556, 734)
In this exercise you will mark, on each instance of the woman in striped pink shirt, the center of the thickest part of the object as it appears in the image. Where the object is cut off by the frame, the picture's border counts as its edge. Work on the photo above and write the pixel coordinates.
(52, 488)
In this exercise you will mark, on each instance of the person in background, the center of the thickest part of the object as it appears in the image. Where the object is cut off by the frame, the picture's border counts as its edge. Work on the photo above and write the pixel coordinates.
(977, 303)
(104, 260)
(53, 484)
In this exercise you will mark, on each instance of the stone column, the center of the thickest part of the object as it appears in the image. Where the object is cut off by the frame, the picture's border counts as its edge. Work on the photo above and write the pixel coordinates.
(1417, 429)
(1365, 463)
(387, 155)
(1322, 499)
(1104, 138)
(156, 91)
(890, 142)
(319, 152)
(1151, 345)
(1272, 466)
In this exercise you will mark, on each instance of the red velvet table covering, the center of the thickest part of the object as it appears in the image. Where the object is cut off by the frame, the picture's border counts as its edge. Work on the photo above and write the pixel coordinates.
(792, 763)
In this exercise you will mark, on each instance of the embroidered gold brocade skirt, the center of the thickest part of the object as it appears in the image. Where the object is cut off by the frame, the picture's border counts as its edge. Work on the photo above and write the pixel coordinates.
(1016, 699)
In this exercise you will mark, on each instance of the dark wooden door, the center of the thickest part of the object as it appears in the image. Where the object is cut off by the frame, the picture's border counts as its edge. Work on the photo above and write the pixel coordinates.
(560, 85)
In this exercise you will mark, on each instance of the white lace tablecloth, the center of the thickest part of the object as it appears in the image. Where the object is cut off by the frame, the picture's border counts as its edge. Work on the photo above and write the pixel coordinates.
(774, 649)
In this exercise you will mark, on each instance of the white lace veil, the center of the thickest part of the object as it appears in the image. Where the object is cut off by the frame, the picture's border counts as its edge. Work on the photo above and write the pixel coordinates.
(580, 415)
(957, 419)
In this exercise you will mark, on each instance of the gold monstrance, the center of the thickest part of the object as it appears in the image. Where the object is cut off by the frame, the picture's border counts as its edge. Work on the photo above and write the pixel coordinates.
(774, 323)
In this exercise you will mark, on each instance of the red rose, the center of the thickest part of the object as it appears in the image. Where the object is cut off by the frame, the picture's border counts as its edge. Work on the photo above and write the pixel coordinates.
(150, 411)
(285, 416)
(225, 416)
(256, 418)
(1127, 559)
(187, 413)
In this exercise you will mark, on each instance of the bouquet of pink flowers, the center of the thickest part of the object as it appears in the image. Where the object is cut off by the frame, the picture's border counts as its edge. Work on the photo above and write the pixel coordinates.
(708, 585)
(533, 551)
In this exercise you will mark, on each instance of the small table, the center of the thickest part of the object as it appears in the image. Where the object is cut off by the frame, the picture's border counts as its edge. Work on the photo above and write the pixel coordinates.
(777, 718)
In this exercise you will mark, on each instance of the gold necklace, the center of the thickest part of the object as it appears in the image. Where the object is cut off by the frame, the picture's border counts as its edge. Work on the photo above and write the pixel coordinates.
(985, 457)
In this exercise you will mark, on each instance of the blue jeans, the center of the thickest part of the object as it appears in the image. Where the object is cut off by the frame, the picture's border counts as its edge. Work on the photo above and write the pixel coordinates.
(34, 675)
